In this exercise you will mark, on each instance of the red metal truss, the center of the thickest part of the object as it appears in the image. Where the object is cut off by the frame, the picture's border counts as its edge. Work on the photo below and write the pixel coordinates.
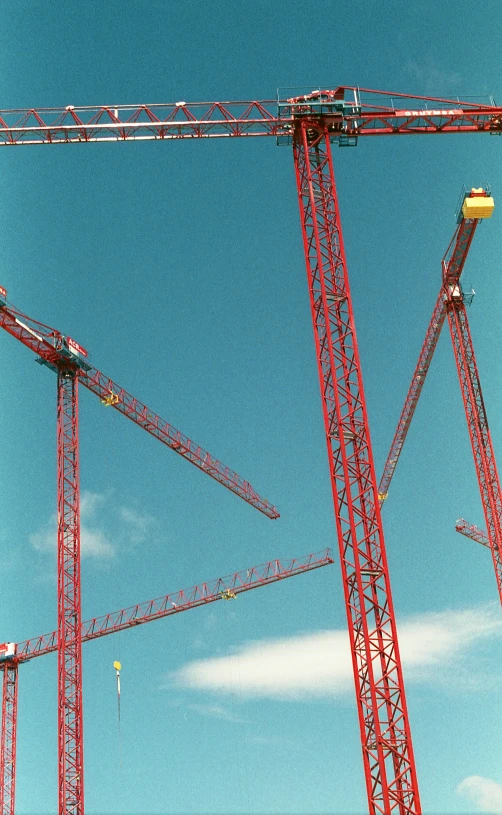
(202, 594)
(452, 264)
(54, 347)
(383, 719)
(479, 432)
(8, 739)
(473, 532)
(183, 600)
(70, 717)
(345, 111)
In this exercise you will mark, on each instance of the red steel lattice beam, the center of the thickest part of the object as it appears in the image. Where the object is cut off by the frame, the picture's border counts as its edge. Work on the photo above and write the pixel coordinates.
(8, 739)
(345, 111)
(452, 264)
(202, 594)
(53, 348)
(473, 532)
(70, 717)
(479, 432)
(383, 719)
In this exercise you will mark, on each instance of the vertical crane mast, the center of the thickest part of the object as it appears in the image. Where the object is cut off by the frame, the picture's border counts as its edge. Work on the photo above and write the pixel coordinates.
(8, 740)
(479, 432)
(388, 759)
(70, 718)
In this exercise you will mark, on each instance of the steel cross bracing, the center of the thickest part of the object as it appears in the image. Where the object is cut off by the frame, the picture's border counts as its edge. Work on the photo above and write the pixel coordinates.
(452, 264)
(139, 614)
(386, 740)
(55, 348)
(479, 432)
(347, 112)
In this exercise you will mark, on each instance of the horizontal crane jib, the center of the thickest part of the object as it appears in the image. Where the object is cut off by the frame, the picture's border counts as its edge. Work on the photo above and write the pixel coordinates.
(199, 595)
(58, 351)
(346, 112)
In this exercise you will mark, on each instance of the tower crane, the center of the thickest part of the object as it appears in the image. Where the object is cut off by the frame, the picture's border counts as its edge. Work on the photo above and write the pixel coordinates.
(452, 265)
(310, 121)
(68, 360)
(14, 654)
(475, 206)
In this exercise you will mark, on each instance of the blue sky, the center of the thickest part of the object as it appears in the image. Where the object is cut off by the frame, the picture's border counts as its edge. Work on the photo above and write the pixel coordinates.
(180, 267)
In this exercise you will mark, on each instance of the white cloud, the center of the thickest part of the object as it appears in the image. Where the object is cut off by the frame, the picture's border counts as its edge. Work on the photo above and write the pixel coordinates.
(218, 712)
(319, 664)
(484, 793)
(93, 541)
(138, 525)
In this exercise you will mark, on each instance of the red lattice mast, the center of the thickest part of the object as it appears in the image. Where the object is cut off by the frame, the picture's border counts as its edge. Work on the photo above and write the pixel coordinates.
(8, 739)
(479, 432)
(389, 765)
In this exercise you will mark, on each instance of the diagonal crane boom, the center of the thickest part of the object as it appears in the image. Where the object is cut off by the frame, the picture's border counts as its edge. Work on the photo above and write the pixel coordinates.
(453, 265)
(52, 347)
(202, 594)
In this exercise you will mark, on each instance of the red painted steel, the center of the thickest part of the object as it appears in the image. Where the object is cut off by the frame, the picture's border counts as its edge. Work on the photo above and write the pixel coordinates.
(183, 600)
(452, 264)
(70, 716)
(346, 112)
(202, 594)
(54, 347)
(8, 739)
(479, 432)
(383, 719)
(473, 532)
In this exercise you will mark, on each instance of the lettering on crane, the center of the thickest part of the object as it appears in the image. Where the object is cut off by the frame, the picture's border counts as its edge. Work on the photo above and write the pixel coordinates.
(446, 112)
(75, 348)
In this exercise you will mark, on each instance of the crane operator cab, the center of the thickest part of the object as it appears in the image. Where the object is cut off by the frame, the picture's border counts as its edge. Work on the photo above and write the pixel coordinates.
(7, 651)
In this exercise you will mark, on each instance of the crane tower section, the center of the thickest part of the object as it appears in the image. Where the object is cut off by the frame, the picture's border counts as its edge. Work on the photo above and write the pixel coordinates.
(388, 759)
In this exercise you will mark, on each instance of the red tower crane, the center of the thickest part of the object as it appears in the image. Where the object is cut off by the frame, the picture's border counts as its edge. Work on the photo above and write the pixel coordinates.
(68, 359)
(310, 121)
(475, 206)
(452, 265)
(224, 588)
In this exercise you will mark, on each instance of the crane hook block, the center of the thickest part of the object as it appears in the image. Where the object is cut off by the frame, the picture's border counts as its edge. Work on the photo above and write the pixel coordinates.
(112, 399)
(228, 595)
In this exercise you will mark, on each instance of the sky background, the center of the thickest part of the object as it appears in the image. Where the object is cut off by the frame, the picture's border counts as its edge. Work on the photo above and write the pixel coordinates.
(180, 267)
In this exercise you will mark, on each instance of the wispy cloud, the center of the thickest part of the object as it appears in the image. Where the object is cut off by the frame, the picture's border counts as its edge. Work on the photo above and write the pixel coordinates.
(218, 712)
(138, 524)
(433, 79)
(484, 793)
(318, 664)
(96, 512)
(93, 541)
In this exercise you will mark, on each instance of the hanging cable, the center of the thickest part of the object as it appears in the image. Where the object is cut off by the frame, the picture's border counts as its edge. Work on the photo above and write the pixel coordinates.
(117, 665)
